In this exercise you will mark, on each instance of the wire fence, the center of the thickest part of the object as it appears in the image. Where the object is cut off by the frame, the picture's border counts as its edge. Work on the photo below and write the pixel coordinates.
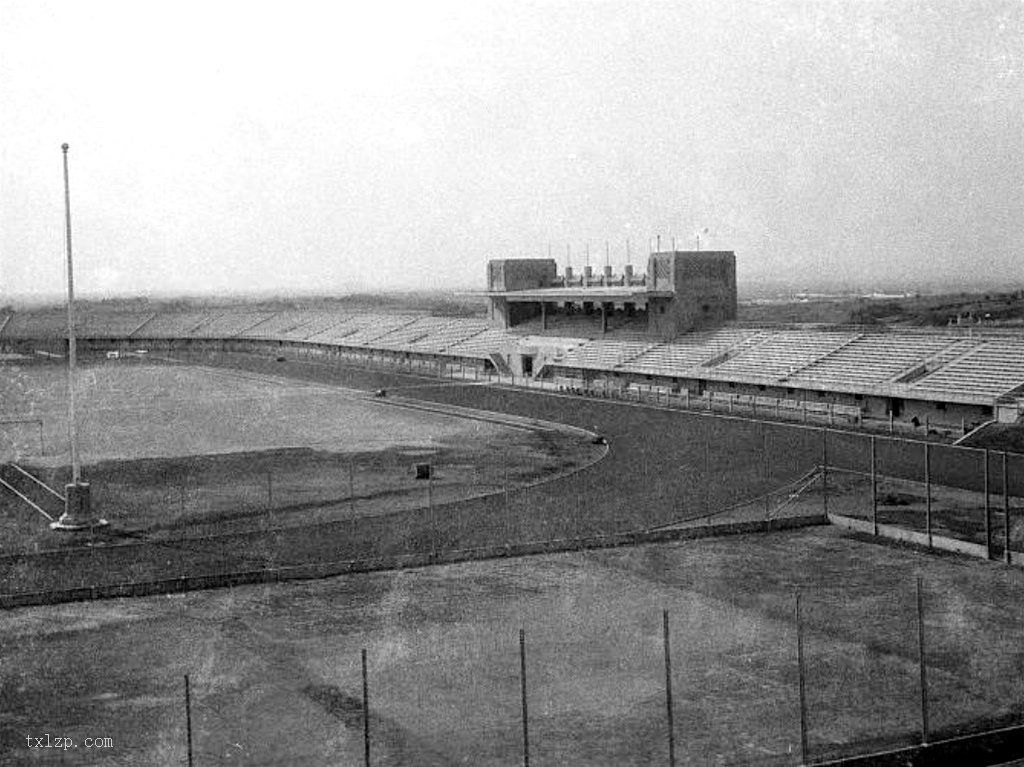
(807, 679)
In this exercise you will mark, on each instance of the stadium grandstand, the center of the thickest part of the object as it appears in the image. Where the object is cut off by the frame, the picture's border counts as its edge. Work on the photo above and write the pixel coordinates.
(672, 329)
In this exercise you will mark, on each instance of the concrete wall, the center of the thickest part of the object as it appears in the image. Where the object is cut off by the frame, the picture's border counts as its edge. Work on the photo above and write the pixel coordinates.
(521, 273)
(704, 283)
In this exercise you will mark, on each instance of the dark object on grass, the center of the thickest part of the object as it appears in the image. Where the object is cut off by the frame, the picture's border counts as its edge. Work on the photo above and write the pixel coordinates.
(599, 440)
(280, 359)
(380, 393)
(423, 471)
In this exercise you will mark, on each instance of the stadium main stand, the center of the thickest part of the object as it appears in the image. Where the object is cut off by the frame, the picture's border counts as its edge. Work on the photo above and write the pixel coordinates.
(666, 332)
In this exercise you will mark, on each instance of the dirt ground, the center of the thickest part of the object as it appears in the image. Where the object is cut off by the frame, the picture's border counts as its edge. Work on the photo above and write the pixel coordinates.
(275, 671)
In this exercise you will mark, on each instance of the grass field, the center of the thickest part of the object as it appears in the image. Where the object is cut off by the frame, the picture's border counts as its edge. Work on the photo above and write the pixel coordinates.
(275, 671)
(175, 449)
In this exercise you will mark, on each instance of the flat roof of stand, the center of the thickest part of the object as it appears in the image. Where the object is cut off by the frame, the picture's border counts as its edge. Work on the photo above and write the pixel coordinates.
(607, 293)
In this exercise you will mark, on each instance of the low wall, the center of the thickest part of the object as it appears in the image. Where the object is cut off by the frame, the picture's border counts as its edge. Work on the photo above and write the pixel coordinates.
(892, 532)
(397, 562)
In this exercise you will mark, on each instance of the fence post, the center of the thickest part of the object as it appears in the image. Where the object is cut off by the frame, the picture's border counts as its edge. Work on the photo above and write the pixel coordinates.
(874, 488)
(802, 682)
(1006, 510)
(188, 719)
(366, 713)
(824, 471)
(766, 470)
(668, 693)
(351, 488)
(923, 667)
(270, 489)
(707, 469)
(928, 493)
(522, 686)
(988, 510)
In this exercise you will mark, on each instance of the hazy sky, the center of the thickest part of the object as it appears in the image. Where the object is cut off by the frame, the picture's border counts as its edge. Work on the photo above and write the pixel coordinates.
(334, 146)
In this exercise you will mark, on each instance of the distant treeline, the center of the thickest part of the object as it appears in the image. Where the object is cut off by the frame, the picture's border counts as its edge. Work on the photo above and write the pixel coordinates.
(438, 304)
(989, 308)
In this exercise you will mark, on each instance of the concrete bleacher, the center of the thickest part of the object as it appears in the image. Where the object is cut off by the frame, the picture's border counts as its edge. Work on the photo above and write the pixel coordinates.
(445, 338)
(674, 358)
(872, 359)
(482, 345)
(42, 325)
(362, 329)
(228, 324)
(273, 326)
(991, 368)
(113, 325)
(452, 332)
(604, 354)
(316, 324)
(780, 354)
(171, 325)
(402, 338)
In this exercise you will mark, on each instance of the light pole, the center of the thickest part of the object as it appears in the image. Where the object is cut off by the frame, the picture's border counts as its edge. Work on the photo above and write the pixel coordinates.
(77, 504)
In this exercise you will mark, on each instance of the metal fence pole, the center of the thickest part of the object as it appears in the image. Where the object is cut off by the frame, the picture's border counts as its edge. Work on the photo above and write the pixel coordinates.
(668, 693)
(824, 471)
(874, 488)
(766, 471)
(707, 468)
(988, 509)
(928, 493)
(351, 488)
(803, 685)
(1006, 510)
(366, 712)
(188, 719)
(270, 489)
(522, 687)
(923, 667)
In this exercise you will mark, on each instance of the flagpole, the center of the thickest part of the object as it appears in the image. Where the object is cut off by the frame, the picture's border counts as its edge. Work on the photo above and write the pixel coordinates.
(78, 499)
(76, 469)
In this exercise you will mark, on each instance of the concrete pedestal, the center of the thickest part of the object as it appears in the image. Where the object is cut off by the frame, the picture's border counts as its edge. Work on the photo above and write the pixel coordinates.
(77, 509)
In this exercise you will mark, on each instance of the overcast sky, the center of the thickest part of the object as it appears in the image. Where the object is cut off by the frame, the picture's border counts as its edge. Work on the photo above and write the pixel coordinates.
(332, 146)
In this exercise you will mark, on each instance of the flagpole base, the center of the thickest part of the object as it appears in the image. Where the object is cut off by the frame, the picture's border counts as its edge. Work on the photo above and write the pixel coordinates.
(77, 510)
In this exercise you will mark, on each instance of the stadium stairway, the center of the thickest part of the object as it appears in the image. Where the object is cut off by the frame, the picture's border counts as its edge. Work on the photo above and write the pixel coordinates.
(30, 491)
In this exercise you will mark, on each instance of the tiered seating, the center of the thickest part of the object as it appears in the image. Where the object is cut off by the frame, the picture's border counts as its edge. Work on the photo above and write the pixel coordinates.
(172, 325)
(275, 325)
(992, 368)
(371, 327)
(451, 332)
(109, 325)
(36, 325)
(780, 354)
(602, 354)
(455, 332)
(403, 337)
(675, 357)
(315, 324)
(229, 324)
(872, 359)
(483, 344)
